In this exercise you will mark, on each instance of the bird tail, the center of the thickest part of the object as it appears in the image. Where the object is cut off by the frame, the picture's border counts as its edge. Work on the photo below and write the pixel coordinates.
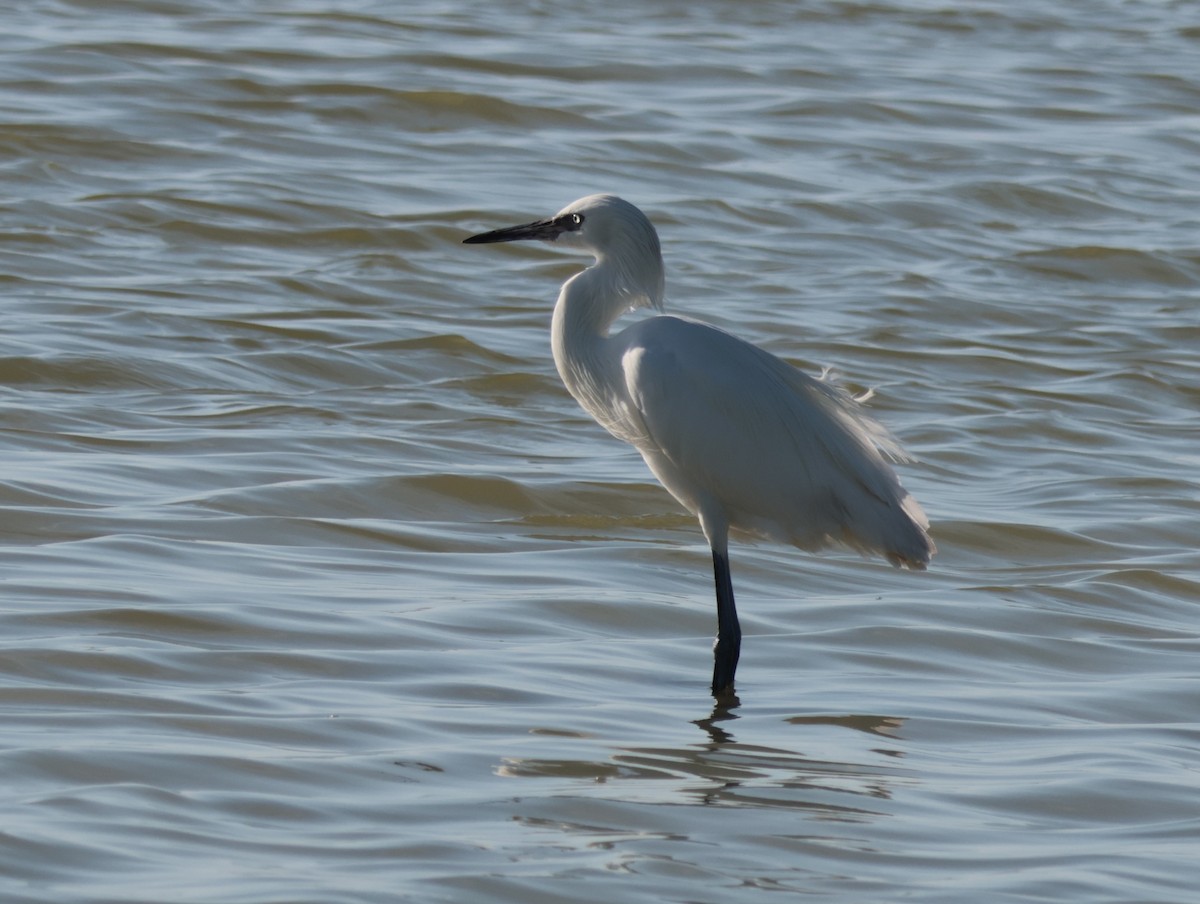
(915, 547)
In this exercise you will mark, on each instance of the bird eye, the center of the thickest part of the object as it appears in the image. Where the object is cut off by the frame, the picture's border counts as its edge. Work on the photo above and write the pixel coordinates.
(569, 222)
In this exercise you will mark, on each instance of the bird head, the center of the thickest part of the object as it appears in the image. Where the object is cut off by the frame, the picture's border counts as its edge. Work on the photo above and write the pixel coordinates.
(615, 231)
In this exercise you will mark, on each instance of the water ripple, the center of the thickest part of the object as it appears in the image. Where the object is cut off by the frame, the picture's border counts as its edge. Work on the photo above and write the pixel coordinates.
(318, 586)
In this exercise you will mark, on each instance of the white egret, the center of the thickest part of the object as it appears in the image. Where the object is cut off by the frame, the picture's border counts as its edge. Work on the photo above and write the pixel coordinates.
(741, 438)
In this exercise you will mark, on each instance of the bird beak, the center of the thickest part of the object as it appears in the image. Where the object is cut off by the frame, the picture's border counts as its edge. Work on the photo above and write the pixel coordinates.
(539, 230)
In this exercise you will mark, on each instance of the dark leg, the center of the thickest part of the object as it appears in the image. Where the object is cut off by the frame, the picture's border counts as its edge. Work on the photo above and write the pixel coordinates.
(729, 633)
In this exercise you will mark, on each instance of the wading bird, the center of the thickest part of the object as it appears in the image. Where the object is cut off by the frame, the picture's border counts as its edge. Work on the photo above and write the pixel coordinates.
(740, 437)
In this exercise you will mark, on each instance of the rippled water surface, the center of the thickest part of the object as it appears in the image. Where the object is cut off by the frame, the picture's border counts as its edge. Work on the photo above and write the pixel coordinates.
(318, 587)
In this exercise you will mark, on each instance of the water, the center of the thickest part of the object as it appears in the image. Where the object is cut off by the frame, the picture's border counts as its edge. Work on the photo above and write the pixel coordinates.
(318, 587)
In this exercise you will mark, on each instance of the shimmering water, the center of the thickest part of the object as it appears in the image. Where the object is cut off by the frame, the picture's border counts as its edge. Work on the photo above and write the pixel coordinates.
(318, 587)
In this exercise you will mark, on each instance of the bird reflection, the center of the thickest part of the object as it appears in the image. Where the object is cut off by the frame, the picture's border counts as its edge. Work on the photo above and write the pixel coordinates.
(722, 771)
(722, 711)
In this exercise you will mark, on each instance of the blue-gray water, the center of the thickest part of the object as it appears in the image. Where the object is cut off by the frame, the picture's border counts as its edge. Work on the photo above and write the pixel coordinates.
(317, 586)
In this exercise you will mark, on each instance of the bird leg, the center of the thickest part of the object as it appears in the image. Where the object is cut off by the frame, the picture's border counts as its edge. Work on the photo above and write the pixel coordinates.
(728, 644)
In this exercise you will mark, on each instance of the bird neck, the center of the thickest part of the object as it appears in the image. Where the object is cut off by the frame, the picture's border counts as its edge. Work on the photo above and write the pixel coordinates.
(588, 360)
(589, 303)
(583, 314)
(591, 300)
(587, 306)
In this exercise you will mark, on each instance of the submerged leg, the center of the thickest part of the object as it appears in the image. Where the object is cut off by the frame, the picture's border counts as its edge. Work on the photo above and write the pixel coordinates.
(728, 644)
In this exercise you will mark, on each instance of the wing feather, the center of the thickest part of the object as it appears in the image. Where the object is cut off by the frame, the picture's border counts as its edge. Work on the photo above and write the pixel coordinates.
(782, 453)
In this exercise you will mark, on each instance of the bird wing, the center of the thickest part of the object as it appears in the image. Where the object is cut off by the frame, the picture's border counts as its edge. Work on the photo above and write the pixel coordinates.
(781, 453)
